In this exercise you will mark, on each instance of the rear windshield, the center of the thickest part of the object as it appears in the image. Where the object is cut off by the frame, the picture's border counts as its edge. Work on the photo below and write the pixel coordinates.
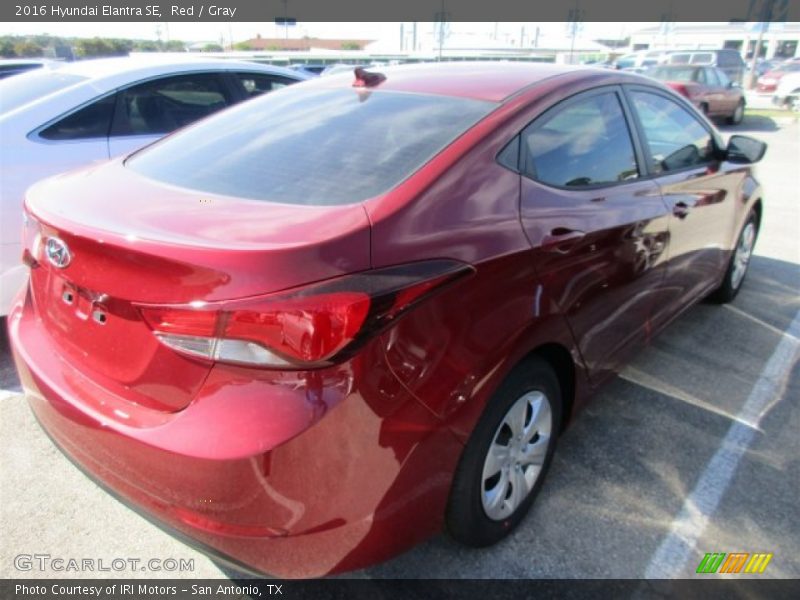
(674, 73)
(320, 147)
(21, 89)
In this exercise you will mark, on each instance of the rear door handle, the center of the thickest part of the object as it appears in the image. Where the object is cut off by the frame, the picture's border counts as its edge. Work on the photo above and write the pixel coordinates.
(561, 240)
(681, 209)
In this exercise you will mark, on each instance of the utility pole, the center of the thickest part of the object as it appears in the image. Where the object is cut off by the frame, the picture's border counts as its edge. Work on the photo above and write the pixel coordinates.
(441, 18)
(285, 19)
(574, 20)
(765, 16)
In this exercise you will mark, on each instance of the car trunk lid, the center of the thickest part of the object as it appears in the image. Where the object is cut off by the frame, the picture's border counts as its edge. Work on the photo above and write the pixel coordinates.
(133, 241)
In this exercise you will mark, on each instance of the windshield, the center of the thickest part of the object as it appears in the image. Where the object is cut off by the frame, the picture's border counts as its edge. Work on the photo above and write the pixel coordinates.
(311, 146)
(21, 89)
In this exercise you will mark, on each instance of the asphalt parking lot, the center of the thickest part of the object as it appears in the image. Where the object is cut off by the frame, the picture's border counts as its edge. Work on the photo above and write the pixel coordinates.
(693, 449)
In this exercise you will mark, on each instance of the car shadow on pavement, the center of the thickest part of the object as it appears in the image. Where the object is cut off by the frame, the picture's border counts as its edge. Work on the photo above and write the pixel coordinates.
(9, 381)
(751, 124)
(628, 462)
(625, 467)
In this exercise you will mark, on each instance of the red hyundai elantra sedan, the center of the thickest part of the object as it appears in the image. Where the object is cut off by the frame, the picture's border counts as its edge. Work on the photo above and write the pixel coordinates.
(319, 327)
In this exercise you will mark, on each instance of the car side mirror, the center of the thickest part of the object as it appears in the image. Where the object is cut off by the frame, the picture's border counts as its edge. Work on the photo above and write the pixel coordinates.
(733, 84)
(744, 150)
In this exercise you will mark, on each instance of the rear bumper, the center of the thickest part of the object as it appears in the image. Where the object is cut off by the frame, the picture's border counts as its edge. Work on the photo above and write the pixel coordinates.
(296, 478)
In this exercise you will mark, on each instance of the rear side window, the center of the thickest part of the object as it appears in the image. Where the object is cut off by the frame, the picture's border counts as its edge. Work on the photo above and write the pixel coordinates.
(676, 139)
(320, 147)
(163, 105)
(255, 84)
(92, 121)
(674, 73)
(583, 144)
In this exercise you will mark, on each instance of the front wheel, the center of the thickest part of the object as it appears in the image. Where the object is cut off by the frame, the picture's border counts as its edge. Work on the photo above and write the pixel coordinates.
(739, 261)
(738, 114)
(507, 456)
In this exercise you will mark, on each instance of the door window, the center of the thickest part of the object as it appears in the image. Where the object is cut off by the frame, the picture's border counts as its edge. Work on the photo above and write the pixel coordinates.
(711, 76)
(163, 105)
(700, 76)
(255, 84)
(91, 121)
(585, 143)
(675, 138)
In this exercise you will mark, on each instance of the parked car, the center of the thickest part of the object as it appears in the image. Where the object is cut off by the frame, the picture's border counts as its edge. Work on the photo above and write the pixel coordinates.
(338, 69)
(313, 69)
(16, 66)
(787, 94)
(762, 66)
(638, 62)
(54, 119)
(708, 88)
(769, 81)
(727, 60)
(321, 326)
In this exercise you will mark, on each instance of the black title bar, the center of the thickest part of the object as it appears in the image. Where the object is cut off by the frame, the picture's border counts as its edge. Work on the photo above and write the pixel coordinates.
(398, 589)
(405, 10)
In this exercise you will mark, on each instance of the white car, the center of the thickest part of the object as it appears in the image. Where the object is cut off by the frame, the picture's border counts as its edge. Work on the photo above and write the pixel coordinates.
(61, 117)
(787, 94)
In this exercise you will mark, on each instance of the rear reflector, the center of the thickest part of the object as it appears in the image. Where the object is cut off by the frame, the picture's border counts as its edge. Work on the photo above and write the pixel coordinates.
(303, 328)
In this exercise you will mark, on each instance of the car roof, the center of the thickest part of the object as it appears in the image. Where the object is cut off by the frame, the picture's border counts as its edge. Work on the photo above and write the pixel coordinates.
(153, 64)
(25, 61)
(489, 81)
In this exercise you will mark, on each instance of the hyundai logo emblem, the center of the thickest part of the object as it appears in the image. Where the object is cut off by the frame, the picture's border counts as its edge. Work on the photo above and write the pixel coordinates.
(57, 252)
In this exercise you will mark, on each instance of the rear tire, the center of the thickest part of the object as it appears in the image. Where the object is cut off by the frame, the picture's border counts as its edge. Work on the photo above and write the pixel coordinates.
(738, 263)
(738, 114)
(507, 456)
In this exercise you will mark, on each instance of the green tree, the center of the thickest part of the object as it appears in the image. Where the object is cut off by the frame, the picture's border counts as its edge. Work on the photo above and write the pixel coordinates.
(97, 47)
(212, 48)
(351, 46)
(7, 48)
(28, 49)
(243, 46)
(146, 46)
(175, 46)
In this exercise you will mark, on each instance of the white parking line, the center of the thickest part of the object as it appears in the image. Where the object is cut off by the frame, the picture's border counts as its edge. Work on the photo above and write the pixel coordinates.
(671, 557)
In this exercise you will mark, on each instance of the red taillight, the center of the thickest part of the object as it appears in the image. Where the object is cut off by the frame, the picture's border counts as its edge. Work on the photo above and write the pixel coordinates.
(165, 319)
(682, 90)
(307, 327)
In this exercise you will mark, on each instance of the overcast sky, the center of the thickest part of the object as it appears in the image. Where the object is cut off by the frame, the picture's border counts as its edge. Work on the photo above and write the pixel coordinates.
(243, 31)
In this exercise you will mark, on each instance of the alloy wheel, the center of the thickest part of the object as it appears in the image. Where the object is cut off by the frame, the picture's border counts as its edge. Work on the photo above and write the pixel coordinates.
(741, 257)
(516, 455)
(738, 114)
